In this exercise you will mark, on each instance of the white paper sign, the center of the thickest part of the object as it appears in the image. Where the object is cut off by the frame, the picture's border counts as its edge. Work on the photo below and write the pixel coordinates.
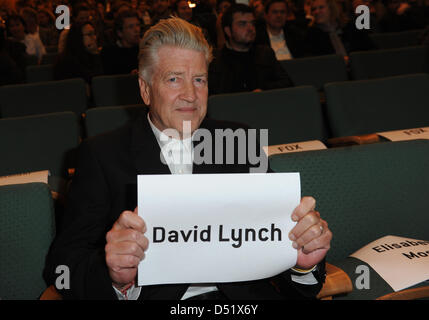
(401, 262)
(217, 227)
(37, 176)
(409, 134)
(293, 147)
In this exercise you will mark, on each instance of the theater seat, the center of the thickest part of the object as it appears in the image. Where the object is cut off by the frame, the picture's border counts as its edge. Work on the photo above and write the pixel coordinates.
(316, 71)
(100, 120)
(40, 73)
(43, 97)
(390, 62)
(364, 193)
(370, 106)
(27, 229)
(291, 114)
(390, 40)
(42, 142)
(116, 90)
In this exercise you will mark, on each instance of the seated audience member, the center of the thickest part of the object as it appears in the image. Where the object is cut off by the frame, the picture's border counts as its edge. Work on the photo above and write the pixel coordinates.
(121, 58)
(160, 10)
(221, 7)
(241, 65)
(79, 14)
(102, 238)
(401, 15)
(80, 58)
(48, 32)
(284, 37)
(17, 31)
(10, 73)
(182, 10)
(332, 33)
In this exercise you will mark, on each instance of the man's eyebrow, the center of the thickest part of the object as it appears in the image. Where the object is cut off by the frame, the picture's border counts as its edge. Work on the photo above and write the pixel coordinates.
(205, 74)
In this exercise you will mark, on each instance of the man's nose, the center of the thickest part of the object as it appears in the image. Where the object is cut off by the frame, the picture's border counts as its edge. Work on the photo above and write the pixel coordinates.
(189, 93)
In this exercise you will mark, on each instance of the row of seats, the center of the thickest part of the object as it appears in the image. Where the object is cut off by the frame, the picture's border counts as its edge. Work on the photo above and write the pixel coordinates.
(317, 71)
(382, 187)
(352, 108)
(291, 115)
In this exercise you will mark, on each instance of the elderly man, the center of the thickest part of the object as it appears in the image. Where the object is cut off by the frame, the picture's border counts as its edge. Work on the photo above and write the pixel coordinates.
(103, 239)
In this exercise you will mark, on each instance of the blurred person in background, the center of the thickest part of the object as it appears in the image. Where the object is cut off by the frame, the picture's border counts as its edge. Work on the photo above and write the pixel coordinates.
(17, 31)
(333, 33)
(121, 57)
(80, 58)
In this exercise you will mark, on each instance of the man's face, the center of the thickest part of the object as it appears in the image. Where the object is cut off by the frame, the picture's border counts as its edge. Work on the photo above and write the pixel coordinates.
(160, 6)
(242, 31)
(179, 90)
(130, 34)
(320, 11)
(276, 15)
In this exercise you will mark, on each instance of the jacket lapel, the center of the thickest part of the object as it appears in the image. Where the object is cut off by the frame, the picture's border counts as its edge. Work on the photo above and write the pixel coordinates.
(145, 149)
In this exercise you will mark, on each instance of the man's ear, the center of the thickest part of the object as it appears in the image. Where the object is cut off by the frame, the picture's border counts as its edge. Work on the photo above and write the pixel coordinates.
(144, 91)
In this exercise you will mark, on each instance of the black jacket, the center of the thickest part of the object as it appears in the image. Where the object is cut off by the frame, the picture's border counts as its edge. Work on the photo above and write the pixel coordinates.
(295, 38)
(232, 71)
(319, 42)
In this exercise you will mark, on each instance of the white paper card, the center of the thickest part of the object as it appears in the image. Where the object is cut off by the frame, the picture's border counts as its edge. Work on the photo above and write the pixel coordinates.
(294, 147)
(409, 134)
(401, 262)
(37, 176)
(236, 226)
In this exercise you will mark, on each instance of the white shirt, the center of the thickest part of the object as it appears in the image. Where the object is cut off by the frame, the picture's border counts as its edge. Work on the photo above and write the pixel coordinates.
(278, 44)
(178, 155)
(34, 45)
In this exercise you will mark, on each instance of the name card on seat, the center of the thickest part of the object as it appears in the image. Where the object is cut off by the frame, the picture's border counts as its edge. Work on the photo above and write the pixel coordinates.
(294, 147)
(407, 134)
(28, 177)
(401, 262)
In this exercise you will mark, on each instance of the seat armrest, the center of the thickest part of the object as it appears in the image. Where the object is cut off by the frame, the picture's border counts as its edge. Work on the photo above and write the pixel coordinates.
(336, 282)
(51, 294)
(353, 140)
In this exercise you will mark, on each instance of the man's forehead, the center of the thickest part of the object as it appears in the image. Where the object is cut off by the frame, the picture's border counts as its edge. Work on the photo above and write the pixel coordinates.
(243, 16)
(176, 60)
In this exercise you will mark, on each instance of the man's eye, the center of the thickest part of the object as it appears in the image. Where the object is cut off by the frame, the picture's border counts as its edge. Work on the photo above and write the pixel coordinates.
(200, 80)
(174, 79)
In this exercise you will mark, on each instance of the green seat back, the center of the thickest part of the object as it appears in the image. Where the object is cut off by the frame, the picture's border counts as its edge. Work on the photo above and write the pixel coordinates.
(316, 71)
(27, 229)
(100, 120)
(282, 111)
(43, 97)
(40, 73)
(389, 62)
(116, 90)
(365, 192)
(36, 143)
(392, 40)
(369, 106)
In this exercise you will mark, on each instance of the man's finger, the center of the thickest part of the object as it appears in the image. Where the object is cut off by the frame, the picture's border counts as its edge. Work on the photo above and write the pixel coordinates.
(306, 205)
(128, 219)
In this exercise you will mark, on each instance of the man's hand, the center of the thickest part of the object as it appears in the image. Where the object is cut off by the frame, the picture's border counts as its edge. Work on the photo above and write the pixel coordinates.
(125, 247)
(311, 235)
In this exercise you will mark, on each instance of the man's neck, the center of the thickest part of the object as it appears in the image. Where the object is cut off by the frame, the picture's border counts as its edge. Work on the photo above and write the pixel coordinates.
(274, 31)
(237, 47)
(125, 44)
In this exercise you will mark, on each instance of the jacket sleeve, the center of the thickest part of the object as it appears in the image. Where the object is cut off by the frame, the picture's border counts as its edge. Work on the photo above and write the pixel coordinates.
(80, 241)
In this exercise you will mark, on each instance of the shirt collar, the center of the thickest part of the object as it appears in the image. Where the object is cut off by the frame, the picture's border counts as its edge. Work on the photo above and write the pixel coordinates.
(164, 140)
